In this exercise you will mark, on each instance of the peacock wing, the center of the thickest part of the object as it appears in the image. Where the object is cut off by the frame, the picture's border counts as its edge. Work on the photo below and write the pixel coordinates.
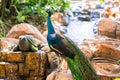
(63, 47)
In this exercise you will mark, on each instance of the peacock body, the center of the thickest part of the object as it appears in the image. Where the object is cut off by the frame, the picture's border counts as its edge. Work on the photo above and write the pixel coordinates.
(78, 63)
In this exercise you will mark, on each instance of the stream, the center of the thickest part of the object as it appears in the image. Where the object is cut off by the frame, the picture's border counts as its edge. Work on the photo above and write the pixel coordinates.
(78, 30)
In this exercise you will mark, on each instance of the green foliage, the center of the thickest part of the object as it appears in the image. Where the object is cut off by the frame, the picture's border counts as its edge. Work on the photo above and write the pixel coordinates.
(2, 29)
(117, 79)
(59, 5)
(32, 1)
(15, 2)
(22, 10)
(20, 17)
(101, 1)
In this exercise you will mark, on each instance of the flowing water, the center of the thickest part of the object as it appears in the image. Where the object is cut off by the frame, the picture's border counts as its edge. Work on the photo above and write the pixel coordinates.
(78, 30)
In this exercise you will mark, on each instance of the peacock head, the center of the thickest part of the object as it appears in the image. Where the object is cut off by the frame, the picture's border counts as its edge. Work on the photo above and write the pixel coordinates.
(49, 10)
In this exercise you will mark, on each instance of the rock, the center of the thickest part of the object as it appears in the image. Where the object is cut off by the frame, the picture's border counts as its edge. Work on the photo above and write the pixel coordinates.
(84, 18)
(11, 69)
(103, 53)
(29, 65)
(101, 46)
(60, 18)
(23, 70)
(42, 28)
(6, 44)
(95, 13)
(46, 48)
(106, 71)
(63, 75)
(25, 29)
(107, 12)
(53, 64)
(15, 57)
(51, 56)
(63, 30)
(2, 70)
(45, 33)
(108, 27)
(107, 51)
(88, 52)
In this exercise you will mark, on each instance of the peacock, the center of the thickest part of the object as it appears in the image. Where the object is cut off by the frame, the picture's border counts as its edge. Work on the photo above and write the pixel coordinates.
(78, 63)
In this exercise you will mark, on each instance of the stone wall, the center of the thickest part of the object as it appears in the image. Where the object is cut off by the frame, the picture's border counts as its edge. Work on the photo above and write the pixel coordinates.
(23, 65)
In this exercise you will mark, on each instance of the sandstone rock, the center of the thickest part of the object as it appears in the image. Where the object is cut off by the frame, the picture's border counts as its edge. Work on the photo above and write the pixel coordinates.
(107, 51)
(63, 75)
(45, 48)
(42, 28)
(51, 56)
(23, 71)
(29, 65)
(6, 44)
(12, 56)
(108, 27)
(53, 64)
(104, 55)
(45, 33)
(43, 65)
(2, 70)
(32, 61)
(11, 69)
(88, 52)
(118, 31)
(105, 70)
(25, 29)
(3, 56)
(101, 46)
(15, 57)
(60, 18)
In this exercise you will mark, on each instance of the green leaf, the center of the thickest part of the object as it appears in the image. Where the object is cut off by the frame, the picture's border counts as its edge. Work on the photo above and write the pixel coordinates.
(20, 17)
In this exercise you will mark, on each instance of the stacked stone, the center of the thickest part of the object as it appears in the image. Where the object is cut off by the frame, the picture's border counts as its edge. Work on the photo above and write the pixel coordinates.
(23, 65)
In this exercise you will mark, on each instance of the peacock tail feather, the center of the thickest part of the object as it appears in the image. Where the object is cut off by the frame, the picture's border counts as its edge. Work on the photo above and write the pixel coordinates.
(80, 66)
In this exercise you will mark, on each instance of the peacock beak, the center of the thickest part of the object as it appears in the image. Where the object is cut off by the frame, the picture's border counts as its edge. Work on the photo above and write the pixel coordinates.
(48, 10)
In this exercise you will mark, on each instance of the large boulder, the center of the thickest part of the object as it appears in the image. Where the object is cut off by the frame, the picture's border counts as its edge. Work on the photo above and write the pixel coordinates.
(104, 54)
(108, 27)
(107, 71)
(101, 46)
(25, 29)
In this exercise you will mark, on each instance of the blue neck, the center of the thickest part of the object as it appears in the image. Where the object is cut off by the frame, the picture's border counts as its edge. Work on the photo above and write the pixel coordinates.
(50, 26)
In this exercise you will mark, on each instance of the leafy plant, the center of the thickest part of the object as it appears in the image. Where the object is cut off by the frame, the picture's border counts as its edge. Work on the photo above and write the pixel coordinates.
(2, 29)
(117, 78)
(20, 17)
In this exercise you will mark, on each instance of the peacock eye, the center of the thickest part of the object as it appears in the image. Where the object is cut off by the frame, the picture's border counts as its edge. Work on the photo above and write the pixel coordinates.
(20, 38)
